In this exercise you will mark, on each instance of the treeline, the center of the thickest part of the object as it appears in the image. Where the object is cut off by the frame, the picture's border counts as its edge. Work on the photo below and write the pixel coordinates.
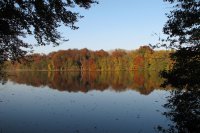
(143, 82)
(143, 58)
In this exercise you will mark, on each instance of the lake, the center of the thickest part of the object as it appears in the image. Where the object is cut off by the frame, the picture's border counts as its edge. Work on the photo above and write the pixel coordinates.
(81, 102)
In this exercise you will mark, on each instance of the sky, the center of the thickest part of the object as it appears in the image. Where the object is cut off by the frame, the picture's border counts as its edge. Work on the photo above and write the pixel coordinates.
(114, 24)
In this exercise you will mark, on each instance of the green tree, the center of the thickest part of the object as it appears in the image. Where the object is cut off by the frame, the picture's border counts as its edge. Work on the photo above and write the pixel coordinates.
(183, 24)
(183, 30)
(40, 18)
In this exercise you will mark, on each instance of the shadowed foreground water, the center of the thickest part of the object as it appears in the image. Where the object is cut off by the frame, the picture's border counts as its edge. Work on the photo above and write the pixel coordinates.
(33, 103)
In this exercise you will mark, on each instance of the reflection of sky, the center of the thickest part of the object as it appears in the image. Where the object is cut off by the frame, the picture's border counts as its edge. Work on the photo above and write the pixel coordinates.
(29, 109)
(125, 24)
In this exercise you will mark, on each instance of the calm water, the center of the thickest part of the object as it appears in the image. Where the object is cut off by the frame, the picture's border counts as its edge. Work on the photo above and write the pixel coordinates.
(41, 102)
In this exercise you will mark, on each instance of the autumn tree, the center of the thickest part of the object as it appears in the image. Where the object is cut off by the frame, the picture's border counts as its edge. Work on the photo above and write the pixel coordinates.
(118, 59)
(100, 60)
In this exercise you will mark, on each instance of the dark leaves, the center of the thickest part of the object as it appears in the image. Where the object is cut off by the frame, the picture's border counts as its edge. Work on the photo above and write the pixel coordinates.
(40, 18)
(183, 23)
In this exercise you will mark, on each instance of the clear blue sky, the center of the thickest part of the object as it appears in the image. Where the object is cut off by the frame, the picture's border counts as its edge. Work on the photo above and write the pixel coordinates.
(125, 24)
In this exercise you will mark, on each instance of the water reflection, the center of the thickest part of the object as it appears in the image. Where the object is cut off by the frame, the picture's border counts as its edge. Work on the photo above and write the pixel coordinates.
(143, 82)
(183, 109)
(27, 105)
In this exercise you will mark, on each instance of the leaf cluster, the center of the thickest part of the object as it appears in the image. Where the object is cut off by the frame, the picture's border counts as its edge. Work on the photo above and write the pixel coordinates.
(40, 18)
(183, 25)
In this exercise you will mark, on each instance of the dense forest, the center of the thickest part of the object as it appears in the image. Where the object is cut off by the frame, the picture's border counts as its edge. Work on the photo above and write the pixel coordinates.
(143, 58)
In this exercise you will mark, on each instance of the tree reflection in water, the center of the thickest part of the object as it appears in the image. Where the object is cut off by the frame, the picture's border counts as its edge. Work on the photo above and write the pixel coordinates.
(184, 111)
(183, 106)
(3, 74)
(143, 82)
